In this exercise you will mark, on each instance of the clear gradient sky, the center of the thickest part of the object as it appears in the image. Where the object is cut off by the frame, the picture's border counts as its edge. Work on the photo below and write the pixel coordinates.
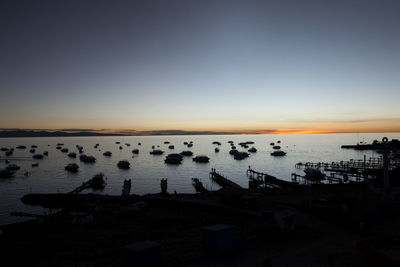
(252, 66)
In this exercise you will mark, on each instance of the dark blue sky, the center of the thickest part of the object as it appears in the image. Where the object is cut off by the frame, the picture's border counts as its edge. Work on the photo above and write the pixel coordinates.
(209, 65)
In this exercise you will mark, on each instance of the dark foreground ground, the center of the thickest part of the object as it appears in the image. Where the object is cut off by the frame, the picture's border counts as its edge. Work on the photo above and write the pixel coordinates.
(303, 234)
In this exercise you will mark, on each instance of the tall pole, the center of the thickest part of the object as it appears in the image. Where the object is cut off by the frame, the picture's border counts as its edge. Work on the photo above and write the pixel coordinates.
(386, 182)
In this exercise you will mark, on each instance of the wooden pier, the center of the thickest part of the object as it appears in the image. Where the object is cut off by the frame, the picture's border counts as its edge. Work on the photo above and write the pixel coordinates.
(269, 180)
(223, 181)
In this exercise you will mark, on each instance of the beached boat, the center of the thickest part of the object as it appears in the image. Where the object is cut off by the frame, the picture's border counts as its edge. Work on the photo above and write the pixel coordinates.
(198, 185)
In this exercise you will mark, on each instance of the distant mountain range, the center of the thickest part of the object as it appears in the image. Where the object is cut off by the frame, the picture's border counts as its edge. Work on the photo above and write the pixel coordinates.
(37, 133)
(23, 133)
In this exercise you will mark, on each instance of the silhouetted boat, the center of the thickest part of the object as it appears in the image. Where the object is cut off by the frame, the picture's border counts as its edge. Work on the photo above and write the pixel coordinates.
(171, 147)
(276, 147)
(272, 144)
(123, 164)
(190, 145)
(241, 155)
(187, 153)
(21, 147)
(4, 149)
(107, 154)
(46, 153)
(173, 159)
(64, 150)
(87, 159)
(72, 167)
(215, 143)
(33, 146)
(233, 152)
(156, 152)
(201, 159)
(37, 156)
(252, 150)
(135, 151)
(278, 153)
(216, 149)
(72, 155)
(32, 150)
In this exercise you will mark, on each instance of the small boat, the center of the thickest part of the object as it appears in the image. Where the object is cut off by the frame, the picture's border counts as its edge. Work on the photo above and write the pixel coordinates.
(4, 149)
(230, 142)
(278, 153)
(128, 144)
(33, 146)
(272, 144)
(87, 159)
(46, 153)
(32, 150)
(166, 142)
(135, 151)
(156, 152)
(216, 149)
(276, 147)
(107, 154)
(21, 147)
(201, 159)
(241, 155)
(173, 159)
(117, 143)
(123, 164)
(233, 152)
(60, 144)
(64, 150)
(139, 144)
(215, 143)
(190, 145)
(198, 185)
(37, 156)
(171, 147)
(72, 167)
(72, 155)
(252, 150)
(187, 153)
(120, 147)
(35, 164)
(58, 147)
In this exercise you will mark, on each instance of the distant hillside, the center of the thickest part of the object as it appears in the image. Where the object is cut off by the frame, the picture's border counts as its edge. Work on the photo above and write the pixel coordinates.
(23, 133)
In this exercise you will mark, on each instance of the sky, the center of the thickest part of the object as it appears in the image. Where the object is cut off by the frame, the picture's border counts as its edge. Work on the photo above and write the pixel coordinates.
(246, 66)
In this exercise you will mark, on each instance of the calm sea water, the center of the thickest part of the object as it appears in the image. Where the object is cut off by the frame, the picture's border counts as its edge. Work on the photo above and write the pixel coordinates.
(147, 170)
